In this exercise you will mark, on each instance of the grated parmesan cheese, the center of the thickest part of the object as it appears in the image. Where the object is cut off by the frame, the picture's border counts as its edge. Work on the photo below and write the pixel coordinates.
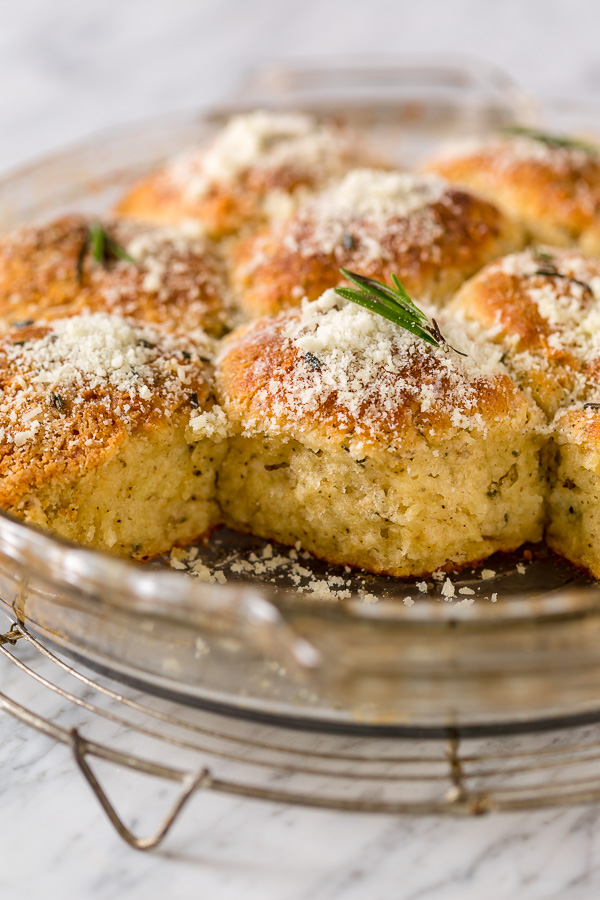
(361, 206)
(377, 194)
(120, 359)
(448, 589)
(371, 369)
(95, 348)
(511, 151)
(569, 308)
(212, 424)
(261, 139)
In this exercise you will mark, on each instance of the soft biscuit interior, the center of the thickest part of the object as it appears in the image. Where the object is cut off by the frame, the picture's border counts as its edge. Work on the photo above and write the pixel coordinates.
(574, 499)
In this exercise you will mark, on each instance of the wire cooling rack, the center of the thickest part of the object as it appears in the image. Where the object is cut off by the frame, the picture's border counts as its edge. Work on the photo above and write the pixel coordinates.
(100, 719)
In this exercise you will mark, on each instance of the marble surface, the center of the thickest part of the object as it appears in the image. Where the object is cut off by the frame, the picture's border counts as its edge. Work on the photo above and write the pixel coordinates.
(66, 70)
(56, 842)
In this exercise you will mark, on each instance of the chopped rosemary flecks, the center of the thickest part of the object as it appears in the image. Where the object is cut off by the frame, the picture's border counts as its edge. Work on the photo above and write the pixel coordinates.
(591, 405)
(101, 247)
(56, 401)
(348, 241)
(394, 304)
(548, 269)
(559, 141)
(313, 361)
(23, 323)
(194, 402)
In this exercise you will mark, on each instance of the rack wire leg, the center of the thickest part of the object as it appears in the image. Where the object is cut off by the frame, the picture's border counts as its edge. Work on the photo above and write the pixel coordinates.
(190, 783)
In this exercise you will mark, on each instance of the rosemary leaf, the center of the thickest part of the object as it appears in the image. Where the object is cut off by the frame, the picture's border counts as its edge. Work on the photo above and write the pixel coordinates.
(397, 316)
(97, 243)
(118, 251)
(551, 140)
(102, 247)
(393, 304)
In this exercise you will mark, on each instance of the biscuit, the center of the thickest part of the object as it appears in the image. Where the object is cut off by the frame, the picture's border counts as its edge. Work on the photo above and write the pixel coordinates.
(543, 307)
(574, 499)
(174, 277)
(255, 167)
(430, 234)
(373, 448)
(109, 435)
(548, 184)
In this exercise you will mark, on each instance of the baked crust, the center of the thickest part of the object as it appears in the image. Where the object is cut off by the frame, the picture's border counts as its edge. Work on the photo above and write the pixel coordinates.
(432, 248)
(542, 306)
(177, 281)
(255, 166)
(266, 382)
(554, 190)
(97, 425)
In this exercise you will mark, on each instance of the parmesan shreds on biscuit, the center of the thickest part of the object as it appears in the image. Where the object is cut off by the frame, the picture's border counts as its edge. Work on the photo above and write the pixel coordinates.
(373, 222)
(370, 368)
(260, 139)
(254, 169)
(551, 185)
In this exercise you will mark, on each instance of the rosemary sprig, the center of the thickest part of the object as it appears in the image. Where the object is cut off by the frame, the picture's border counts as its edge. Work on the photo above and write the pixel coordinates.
(551, 140)
(102, 248)
(394, 304)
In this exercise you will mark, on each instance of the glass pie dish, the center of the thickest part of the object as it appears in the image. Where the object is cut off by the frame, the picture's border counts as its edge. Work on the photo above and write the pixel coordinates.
(254, 639)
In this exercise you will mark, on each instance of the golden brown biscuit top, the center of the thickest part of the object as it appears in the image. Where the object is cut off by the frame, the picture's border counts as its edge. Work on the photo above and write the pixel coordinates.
(580, 425)
(365, 212)
(72, 390)
(175, 279)
(260, 149)
(545, 301)
(375, 222)
(337, 372)
(545, 178)
(374, 215)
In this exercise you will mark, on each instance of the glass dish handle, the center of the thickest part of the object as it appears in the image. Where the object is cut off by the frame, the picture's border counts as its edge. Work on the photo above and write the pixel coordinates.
(387, 78)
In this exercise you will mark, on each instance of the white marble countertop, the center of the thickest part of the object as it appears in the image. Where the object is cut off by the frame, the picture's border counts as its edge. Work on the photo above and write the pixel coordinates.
(69, 69)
